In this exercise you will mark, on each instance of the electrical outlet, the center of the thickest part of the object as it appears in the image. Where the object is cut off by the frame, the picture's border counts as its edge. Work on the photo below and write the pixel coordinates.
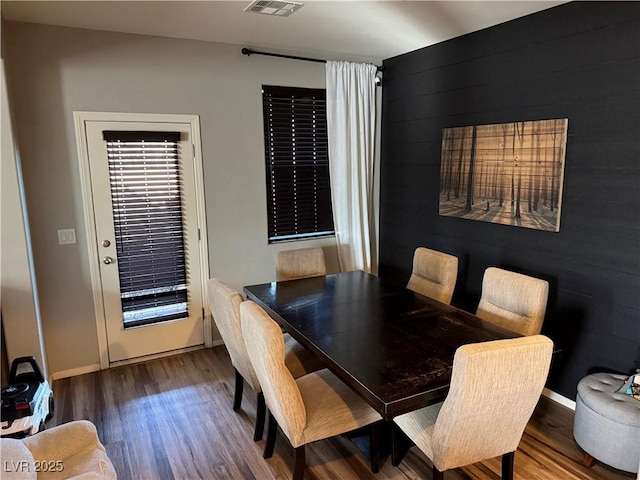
(67, 236)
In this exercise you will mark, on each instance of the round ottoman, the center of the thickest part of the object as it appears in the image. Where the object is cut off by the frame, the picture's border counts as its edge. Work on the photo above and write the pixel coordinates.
(607, 424)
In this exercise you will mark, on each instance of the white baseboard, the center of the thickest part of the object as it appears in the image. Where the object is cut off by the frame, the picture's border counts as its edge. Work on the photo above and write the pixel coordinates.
(74, 371)
(217, 343)
(562, 400)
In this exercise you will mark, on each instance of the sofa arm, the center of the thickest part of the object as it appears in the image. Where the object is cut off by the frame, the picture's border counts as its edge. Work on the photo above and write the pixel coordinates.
(64, 441)
(17, 461)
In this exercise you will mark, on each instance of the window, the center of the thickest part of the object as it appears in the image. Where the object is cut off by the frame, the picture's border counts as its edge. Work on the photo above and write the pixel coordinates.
(297, 163)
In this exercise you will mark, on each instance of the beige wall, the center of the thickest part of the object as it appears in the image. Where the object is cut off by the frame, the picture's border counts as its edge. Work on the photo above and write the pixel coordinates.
(57, 71)
(21, 326)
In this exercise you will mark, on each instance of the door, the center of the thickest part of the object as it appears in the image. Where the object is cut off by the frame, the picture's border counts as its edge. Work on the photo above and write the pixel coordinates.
(145, 210)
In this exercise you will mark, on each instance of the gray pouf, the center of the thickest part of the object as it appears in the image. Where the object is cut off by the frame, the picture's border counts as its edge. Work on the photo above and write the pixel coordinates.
(607, 424)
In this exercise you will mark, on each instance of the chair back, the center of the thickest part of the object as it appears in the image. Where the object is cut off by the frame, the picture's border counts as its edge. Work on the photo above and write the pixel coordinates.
(224, 303)
(301, 263)
(495, 387)
(514, 301)
(434, 274)
(265, 344)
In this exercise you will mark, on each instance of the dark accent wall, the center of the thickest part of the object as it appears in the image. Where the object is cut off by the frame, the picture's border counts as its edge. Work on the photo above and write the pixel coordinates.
(581, 61)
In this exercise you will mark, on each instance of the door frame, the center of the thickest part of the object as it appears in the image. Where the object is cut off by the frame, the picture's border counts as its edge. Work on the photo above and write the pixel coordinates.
(80, 117)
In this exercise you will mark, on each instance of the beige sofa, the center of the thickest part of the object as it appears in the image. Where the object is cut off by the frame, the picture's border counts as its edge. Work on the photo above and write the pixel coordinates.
(68, 451)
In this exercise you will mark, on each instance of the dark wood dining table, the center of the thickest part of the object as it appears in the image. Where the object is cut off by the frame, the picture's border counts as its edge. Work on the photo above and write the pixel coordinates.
(392, 346)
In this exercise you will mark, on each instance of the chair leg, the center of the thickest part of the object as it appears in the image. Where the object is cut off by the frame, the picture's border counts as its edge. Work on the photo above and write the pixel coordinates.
(508, 460)
(260, 411)
(400, 445)
(237, 398)
(437, 474)
(375, 447)
(272, 428)
(299, 463)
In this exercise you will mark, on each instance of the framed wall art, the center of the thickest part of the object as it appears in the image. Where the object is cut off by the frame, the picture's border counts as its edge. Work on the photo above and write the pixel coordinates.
(507, 173)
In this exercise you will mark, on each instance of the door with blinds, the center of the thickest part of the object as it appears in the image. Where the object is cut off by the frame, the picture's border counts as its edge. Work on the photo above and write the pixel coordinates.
(147, 234)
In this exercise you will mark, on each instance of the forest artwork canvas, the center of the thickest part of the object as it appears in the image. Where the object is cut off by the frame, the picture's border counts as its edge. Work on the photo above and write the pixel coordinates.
(507, 173)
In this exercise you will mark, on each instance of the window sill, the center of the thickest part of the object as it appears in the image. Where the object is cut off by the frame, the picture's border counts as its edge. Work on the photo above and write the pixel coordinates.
(301, 238)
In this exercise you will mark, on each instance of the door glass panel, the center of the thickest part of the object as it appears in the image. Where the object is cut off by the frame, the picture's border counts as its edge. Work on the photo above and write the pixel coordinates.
(144, 174)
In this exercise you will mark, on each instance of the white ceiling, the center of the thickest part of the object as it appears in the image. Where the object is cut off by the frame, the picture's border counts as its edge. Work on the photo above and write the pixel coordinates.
(352, 30)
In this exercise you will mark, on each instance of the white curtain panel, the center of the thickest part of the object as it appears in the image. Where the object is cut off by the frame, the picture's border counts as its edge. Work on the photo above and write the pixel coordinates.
(351, 108)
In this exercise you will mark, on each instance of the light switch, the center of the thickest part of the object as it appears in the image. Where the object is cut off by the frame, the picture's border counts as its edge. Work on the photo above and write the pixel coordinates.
(67, 236)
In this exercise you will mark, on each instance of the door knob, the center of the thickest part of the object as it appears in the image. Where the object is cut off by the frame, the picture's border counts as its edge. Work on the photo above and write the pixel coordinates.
(107, 260)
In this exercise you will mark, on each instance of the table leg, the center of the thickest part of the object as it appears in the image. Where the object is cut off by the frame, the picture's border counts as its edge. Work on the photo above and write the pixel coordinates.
(400, 444)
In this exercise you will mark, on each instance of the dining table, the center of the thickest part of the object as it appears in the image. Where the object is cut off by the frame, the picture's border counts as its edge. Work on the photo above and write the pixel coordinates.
(392, 346)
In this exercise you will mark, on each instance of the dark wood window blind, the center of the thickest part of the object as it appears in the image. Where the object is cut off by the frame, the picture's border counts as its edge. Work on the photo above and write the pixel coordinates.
(297, 163)
(144, 172)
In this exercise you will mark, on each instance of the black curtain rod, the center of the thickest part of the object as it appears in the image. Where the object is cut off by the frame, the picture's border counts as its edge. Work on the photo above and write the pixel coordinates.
(249, 52)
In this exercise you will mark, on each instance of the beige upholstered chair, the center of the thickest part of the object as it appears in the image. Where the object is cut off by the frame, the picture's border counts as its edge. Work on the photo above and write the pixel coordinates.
(513, 301)
(495, 387)
(224, 303)
(68, 451)
(434, 274)
(301, 263)
(310, 408)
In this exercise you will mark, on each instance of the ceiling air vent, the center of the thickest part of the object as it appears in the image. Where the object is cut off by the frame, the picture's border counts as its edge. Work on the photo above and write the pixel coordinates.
(278, 9)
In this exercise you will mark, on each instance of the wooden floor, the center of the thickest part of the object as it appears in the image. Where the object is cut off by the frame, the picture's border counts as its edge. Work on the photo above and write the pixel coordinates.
(172, 419)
